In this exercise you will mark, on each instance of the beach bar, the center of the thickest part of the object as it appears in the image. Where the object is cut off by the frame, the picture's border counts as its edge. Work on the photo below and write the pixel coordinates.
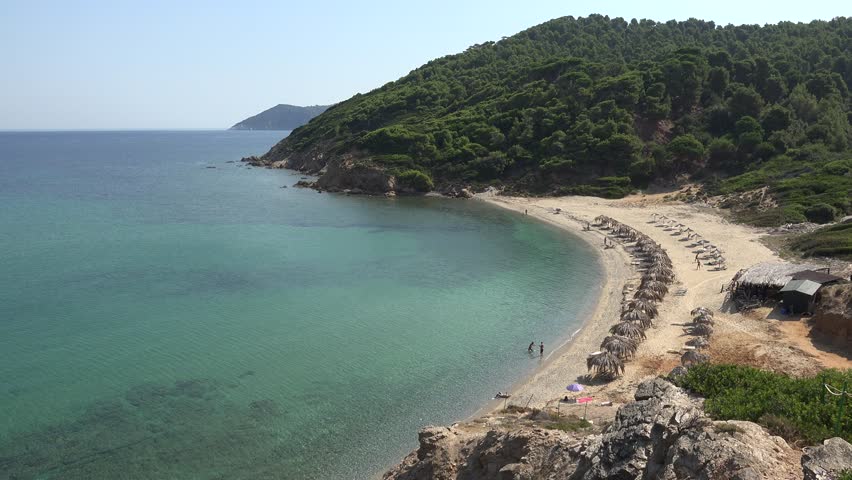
(798, 295)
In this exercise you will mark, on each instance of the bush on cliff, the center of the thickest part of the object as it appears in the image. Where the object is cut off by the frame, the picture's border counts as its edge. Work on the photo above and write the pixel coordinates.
(798, 408)
(414, 180)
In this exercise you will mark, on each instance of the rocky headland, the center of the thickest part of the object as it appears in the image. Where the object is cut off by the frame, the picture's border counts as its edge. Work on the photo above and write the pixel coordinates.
(663, 434)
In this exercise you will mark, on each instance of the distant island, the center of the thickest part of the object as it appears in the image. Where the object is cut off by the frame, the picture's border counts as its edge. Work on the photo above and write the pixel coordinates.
(280, 117)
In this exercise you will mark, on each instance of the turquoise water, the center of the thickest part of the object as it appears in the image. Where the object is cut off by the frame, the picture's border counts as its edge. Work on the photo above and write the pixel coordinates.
(162, 319)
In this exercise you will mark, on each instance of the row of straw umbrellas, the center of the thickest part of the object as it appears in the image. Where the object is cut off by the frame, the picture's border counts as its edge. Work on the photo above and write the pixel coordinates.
(709, 252)
(639, 311)
(701, 329)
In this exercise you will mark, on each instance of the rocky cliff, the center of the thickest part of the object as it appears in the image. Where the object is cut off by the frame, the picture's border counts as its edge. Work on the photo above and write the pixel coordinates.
(833, 313)
(348, 172)
(663, 435)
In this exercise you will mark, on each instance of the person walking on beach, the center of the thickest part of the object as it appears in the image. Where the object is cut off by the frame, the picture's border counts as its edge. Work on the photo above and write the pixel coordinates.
(697, 264)
(541, 349)
(530, 348)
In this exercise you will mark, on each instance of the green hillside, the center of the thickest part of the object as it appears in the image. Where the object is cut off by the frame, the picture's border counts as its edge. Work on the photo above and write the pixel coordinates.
(280, 117)
(603, 106)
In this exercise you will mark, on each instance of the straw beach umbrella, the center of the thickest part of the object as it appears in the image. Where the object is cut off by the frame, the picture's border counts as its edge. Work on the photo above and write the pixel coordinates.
(661, 270)
(660, 276)
(622, 347)
(647, 306)
(699, 342)
(702, 311)
(692, 358)
(703, 330)
(637, 316)
(647, 294)
(655, 286)
(628, 329)
(605, 364)
(703, 320)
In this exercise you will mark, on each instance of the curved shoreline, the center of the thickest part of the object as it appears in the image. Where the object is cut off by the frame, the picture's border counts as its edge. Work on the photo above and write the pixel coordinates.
(567, 362)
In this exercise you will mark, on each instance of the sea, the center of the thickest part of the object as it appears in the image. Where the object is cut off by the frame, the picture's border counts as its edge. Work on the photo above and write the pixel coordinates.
(167, 311)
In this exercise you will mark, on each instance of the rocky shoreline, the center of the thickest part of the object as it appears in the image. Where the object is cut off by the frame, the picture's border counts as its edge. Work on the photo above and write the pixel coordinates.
(663, 434)
(350, 174)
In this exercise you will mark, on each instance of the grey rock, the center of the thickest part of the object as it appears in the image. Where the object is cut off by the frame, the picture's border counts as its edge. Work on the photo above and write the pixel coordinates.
(826, 461)
(665, 435)
(678, 371)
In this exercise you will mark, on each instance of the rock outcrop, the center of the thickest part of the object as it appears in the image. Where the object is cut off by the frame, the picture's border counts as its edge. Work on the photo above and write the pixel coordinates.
(347, 172)
(827, 461)
(455, 453)
(663, 435)
(833, 313)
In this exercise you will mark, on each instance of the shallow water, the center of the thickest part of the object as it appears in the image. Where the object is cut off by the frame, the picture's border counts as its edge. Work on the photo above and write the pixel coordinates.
(162, 319)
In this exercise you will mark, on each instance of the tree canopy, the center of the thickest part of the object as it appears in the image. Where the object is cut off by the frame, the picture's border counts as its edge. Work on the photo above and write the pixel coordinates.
(602, 106)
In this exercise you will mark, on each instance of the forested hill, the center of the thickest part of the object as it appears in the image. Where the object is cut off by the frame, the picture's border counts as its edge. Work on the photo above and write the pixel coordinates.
(603, 106)
(280, 117)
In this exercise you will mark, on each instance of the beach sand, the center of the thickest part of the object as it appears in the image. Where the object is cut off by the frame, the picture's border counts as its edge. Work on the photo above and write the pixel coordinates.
(748, 339)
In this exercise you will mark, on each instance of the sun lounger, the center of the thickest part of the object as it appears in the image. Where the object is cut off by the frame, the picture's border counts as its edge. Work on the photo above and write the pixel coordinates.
(680, 292)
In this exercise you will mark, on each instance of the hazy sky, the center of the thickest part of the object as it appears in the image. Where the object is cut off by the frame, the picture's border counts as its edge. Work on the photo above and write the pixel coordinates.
(187, 64)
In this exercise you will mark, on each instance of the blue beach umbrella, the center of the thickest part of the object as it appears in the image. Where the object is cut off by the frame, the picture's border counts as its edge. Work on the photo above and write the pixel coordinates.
(575, 387)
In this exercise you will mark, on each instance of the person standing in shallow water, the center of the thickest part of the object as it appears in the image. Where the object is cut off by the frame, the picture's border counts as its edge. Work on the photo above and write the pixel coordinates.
(530, 348)
(541, 349)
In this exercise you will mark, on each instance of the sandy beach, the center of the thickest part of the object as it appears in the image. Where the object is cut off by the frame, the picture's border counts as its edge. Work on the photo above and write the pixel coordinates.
(752, 339)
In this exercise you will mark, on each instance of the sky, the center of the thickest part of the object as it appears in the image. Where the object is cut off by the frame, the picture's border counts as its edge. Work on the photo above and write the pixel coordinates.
(192, 64)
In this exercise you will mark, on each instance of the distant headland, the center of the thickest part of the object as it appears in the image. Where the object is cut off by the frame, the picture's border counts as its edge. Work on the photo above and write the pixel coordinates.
(280, 117)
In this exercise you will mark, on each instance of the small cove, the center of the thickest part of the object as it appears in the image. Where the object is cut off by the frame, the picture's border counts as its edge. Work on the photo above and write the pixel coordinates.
(160, 318)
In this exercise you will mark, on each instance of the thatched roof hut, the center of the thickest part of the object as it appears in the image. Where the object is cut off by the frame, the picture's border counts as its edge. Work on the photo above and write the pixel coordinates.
(755, 285)
(769, 274)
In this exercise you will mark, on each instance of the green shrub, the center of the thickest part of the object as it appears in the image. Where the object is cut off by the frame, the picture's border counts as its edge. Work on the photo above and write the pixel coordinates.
(821, 213)
(415, 180)
(831, 241)
(797, 408)
(571, 423)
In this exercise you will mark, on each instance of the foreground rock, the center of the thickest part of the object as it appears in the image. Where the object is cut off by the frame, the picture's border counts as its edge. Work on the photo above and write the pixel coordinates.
(828, 460)
(664, 434)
